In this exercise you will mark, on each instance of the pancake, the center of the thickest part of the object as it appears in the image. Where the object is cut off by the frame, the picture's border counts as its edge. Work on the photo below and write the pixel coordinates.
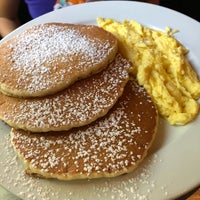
(112, 145)
(47, 58)
(78, 105)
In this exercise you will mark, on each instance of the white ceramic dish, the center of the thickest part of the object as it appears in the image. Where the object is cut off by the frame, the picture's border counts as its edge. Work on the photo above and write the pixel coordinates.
(171, 167)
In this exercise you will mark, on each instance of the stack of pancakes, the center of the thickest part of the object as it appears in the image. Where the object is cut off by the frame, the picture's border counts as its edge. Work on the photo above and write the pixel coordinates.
(74, 109)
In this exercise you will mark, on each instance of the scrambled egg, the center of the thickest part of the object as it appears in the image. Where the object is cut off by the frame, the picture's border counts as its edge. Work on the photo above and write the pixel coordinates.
(161, 66)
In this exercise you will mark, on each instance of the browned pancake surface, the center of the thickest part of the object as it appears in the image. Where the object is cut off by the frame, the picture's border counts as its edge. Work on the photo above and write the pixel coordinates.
(83, 102)
(110, 146)
(46, 58)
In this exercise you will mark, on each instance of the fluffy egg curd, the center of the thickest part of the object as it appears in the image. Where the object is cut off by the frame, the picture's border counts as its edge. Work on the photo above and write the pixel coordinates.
(161, 66)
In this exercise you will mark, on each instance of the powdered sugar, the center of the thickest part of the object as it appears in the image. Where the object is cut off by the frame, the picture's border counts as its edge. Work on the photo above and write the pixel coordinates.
(80, 104)
(123, 187)
(137, 185)
(111, 145)
(46, 55)
(45, 43)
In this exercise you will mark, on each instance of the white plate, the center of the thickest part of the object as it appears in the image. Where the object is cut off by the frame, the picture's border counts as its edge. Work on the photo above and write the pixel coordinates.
(171, 167)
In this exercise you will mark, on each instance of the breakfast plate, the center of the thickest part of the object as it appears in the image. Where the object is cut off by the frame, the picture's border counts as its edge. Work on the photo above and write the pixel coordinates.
(172, 165)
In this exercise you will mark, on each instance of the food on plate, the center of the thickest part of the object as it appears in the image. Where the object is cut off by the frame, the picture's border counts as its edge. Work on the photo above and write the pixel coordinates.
(161, 66)
(47, 58)
(77, 105)
(110, 146)
(101, 125)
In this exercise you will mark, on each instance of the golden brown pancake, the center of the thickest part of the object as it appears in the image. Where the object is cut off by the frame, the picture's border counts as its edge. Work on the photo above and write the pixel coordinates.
(111, 146)
(78, 105)
(47, 58)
